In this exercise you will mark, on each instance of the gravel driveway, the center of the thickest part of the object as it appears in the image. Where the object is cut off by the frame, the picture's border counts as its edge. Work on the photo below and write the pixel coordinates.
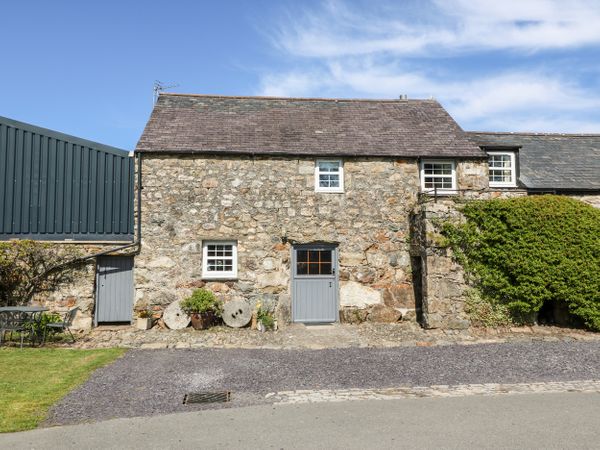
(149, 382)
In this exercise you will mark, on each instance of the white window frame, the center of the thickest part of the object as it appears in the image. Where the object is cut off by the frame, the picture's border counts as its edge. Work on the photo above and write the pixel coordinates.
(513, 168)
(440, 191)
(318, 172)
(232, 274)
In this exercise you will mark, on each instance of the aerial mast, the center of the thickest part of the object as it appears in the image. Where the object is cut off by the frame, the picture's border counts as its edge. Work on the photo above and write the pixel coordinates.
(159, 87)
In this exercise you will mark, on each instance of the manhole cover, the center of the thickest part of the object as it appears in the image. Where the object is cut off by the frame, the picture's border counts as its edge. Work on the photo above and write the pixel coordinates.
(207, 397)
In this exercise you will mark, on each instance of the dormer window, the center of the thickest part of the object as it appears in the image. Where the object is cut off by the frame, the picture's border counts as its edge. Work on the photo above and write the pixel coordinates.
(329, 175)
(502, 168)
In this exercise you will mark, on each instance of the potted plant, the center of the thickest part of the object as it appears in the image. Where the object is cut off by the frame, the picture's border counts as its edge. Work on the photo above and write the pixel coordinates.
(264, 318)
(144, 319)
(203, 308)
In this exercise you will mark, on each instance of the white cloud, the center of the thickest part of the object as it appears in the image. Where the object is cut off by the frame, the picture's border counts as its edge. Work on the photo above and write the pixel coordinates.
(515, 91)
(291, 84)
(538, 124)
(512, 100)
(388, 51)
(444, 26)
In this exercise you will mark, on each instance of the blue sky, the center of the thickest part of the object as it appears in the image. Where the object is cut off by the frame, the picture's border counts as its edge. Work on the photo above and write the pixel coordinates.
(87, 68)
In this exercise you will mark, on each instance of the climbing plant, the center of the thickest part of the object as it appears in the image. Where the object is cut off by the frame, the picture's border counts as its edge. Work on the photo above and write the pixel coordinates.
(523, 252)
(29, 267)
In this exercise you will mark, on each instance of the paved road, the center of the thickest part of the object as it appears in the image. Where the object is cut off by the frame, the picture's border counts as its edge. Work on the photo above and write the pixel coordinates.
(545, 421)
(151, 382)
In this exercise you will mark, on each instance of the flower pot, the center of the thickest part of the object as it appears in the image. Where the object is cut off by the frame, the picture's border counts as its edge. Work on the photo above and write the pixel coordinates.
(201, 321)
(143, 323)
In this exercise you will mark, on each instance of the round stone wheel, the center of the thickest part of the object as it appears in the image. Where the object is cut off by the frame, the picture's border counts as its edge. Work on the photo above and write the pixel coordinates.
(174, 317)
(237, 313)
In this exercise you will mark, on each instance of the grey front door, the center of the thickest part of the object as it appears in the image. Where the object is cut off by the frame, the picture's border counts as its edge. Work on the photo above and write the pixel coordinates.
(114, 289)
(314, 283)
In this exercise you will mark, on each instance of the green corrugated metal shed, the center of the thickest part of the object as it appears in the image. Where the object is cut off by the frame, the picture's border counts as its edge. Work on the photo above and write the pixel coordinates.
(59, 187)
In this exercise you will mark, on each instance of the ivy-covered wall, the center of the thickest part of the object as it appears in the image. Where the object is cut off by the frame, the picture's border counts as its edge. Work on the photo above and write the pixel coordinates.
(526, 254)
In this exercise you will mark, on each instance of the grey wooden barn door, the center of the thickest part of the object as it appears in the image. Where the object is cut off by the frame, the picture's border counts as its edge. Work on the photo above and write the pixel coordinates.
(314, 283)
(114, 289)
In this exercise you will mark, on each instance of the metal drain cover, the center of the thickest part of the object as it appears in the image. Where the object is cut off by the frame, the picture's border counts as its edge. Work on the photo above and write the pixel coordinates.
(207, 397)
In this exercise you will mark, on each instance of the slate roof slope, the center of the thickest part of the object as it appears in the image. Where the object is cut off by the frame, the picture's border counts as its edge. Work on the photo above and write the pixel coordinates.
(185, 123)
(552, 161)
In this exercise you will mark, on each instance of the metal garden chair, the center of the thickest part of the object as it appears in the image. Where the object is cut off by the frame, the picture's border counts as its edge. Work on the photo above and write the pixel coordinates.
(64, 325)
(15, 321)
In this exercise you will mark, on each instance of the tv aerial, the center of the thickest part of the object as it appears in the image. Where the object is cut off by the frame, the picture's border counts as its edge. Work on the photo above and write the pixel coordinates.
(159, 87)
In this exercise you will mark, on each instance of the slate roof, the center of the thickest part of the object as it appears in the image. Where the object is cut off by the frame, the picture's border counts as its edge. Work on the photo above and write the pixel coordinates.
(184, 123)
(551, 161)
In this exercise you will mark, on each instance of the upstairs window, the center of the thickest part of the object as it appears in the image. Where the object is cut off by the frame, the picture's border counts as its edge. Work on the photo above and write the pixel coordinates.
(438, 176)
(329, 175)
(502, 169)
(219, 259)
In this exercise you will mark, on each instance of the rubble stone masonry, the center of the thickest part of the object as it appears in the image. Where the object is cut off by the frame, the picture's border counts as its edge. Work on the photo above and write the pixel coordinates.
(81, 292)
(267, 204)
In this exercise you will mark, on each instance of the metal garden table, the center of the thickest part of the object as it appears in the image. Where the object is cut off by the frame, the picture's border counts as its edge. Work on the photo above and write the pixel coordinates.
(20, 318)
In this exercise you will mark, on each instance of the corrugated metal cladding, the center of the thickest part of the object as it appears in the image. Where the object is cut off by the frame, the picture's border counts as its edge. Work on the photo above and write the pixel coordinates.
(58, 187)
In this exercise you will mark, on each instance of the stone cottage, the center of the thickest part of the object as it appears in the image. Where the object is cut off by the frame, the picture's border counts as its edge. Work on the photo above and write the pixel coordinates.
(544, 163)
(325, 209)
(303, 203)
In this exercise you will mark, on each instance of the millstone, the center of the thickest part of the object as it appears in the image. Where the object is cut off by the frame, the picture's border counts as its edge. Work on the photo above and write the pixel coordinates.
(174, 317)
(237, 313)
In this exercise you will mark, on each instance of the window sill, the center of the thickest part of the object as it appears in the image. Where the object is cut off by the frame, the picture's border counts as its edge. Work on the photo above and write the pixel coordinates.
(327, 191)
(503, 186)
(440, 192)
(219, 278)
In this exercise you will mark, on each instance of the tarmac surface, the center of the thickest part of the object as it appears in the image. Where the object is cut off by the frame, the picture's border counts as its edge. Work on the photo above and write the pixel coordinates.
(544, 421)
(154, 382)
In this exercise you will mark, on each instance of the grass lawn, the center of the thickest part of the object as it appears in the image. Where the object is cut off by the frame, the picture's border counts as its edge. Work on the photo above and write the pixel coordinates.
(32, 380)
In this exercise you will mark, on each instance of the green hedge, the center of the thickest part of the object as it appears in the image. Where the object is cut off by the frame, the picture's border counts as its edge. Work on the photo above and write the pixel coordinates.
(523, 252)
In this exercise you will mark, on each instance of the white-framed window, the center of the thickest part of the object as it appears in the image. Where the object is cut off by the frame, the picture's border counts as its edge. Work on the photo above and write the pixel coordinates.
(502, 169)
(438, 176)
(329, 175)
(219, 259)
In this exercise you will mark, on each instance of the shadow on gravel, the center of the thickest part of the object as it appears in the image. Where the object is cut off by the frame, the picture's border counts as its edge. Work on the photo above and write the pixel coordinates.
(149, 382)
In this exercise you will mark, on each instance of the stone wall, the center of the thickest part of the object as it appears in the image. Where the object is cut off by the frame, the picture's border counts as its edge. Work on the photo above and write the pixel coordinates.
(80, 292)
(266, 205)
(472, 176)
(443, 281)
(593, 200)
(443, 284)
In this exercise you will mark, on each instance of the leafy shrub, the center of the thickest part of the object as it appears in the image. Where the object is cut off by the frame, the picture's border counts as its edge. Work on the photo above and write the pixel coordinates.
(202, 300)
(486, 312)
(45, 319)
(145, 313)
(28, 268)
(523, 252)
(265, 316)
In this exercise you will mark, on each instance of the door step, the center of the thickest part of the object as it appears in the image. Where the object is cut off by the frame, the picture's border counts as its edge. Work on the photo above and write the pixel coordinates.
(320, 326)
